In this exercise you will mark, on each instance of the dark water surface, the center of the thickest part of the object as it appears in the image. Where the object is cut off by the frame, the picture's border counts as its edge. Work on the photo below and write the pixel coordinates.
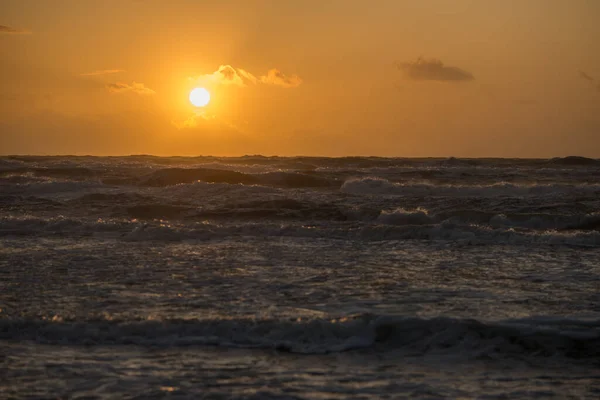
(266, 277)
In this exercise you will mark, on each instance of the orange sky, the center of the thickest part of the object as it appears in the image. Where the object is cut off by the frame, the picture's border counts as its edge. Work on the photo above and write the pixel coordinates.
(466, 78)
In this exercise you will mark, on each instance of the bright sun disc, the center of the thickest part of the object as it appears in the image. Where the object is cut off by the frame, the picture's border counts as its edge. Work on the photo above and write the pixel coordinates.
(199, 97)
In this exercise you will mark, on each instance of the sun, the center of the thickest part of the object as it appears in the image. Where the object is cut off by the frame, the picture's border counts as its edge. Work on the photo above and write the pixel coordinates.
(199, 97)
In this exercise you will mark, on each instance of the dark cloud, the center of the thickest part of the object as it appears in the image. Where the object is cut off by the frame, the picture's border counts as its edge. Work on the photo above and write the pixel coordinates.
(12, 31)
(434, 70)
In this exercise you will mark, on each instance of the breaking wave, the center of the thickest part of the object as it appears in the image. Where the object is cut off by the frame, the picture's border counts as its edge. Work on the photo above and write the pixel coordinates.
(532, 337)
(133, 230)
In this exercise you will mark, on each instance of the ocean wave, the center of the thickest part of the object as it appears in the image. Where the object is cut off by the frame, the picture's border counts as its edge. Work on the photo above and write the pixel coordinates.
(175, 176)
(380, 186)
(406, 217)
(459, 162)
(7, 164)
(37, 226)
(21, 179)
(111, 198)
(537, 221)
(56, 172)
(568, 338)
(476, 234)
(206, 194)
(247, 168)
(158, 211)
(296, 180)
(574, 160)
(281, 208)
(133, 230)
(52, 187)
(548, 221)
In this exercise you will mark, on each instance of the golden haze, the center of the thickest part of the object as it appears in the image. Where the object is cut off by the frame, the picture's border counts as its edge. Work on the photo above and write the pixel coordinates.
(390, 78)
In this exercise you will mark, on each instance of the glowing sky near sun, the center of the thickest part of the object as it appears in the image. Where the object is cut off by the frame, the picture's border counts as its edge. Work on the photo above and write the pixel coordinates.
(390, 78)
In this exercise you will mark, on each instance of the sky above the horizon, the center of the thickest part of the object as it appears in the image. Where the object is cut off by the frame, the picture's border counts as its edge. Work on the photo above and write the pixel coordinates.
(408, 78)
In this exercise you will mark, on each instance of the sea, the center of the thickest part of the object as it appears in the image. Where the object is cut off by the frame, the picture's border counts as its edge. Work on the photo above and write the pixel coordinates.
(257, 277)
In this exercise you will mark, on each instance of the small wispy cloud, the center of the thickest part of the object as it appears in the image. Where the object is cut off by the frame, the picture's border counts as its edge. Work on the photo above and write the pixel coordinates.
(278, 78)
(135, 87)
(590, 79)
(13, 31)
(228, 75)
(225, 75)
(102, 72)
(434, 70)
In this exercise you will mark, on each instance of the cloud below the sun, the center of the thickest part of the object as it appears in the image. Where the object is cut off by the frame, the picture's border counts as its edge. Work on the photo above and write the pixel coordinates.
(228, 75)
